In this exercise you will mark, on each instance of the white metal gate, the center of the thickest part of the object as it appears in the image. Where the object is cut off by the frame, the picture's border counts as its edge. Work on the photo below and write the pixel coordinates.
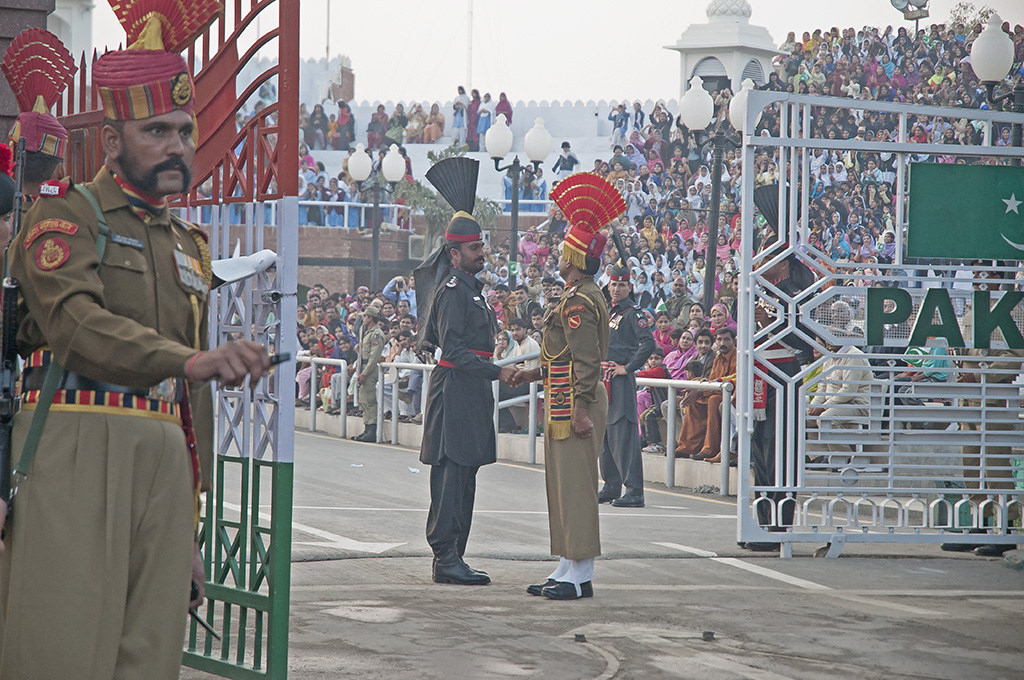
(891, 458)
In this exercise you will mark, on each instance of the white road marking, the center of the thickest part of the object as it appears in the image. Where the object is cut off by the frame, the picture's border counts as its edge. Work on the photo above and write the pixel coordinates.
(770, 573)
(871, 604)
(687, 549)
(333, 540)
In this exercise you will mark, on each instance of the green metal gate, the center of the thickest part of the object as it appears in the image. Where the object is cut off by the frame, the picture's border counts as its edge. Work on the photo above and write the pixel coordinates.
(250, 200)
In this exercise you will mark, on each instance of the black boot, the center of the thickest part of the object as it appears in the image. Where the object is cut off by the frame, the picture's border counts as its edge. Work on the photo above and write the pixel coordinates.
(449, 568)
(368, 435)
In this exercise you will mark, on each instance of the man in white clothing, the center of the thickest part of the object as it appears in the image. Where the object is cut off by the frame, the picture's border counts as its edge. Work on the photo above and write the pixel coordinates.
(842, 394)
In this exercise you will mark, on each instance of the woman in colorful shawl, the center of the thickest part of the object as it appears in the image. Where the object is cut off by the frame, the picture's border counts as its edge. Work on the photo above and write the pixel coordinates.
(504, 107)
(471, 120)
(434, 129)
(721, 318)
(662, 332)
(377, 127)
(484, 116)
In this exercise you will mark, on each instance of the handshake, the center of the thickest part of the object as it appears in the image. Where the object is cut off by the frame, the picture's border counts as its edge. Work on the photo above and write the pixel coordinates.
(514, 377)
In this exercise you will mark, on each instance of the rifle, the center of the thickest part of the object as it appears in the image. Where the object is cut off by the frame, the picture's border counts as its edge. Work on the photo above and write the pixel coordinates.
(8, 340)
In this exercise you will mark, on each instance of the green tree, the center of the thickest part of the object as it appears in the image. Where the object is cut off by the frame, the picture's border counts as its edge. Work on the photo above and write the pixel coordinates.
(969, 15)
(436, 211)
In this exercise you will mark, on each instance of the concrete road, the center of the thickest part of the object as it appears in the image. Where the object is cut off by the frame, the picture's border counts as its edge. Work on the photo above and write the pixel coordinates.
(363, 605)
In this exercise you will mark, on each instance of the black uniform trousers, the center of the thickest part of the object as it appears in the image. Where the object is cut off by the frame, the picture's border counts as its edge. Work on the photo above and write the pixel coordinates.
(452, 493)
(762, 450)
(621, 463)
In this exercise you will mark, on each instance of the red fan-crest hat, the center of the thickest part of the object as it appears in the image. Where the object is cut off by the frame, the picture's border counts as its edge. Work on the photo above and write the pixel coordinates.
(150, 77)
(38, 68)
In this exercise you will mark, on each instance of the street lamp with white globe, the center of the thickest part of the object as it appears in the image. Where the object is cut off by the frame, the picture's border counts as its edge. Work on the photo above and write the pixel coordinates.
(537, 144)
(991, 59)
(392, 170)
(696, 110)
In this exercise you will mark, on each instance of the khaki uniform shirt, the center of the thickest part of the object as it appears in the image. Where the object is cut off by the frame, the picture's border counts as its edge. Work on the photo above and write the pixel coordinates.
(370, 351)
(577, 329)
(128, 321)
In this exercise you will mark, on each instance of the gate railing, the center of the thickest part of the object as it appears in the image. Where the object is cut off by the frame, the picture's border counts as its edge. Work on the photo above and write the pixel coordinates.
(896, 455)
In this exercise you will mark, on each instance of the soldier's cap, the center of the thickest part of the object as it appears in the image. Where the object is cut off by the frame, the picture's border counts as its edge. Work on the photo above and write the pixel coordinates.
(617, 273)
(372, 311)
(589, 202)
(39, 69)
(455, 179)
(150, 77)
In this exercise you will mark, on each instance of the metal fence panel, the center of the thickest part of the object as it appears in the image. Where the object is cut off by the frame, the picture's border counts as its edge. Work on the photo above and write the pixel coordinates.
(919, 440)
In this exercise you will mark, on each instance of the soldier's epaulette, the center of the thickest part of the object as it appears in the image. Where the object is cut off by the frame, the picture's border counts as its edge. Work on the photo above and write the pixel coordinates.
(193, 228)
(54, 188)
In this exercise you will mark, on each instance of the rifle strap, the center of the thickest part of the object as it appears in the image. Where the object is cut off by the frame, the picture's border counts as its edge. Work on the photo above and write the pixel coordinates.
(55, 372)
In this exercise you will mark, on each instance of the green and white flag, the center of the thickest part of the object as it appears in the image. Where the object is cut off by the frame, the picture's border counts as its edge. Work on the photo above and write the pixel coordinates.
(966, 211)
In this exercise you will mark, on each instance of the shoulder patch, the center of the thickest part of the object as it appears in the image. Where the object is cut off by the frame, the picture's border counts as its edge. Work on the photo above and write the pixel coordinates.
(574, 321)
(573, 309)
(52, 253)
(60, 226)
(54, 187)
(452, 282)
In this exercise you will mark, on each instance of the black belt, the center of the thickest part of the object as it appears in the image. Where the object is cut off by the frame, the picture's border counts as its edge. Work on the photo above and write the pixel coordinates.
(32, 379)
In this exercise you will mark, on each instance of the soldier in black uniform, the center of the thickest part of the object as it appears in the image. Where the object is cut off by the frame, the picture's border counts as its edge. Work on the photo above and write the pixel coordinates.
(458, 425)
(630, 343)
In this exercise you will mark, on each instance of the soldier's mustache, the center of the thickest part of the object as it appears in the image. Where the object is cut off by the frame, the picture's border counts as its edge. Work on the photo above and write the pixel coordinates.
(174, 164)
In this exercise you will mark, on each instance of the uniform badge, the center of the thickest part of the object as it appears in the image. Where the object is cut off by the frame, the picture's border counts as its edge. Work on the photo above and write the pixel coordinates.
(190, 273)
(52, 253)
(571, 309)
(452, 282)
(574, 321)
(181, 91)
(60, 226)
(54, 187)
(644, 319)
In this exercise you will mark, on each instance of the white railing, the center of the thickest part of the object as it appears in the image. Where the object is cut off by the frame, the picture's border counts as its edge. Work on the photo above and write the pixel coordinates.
(390, 212)
(726, 388)
(526, 206)
(314, 380)
(536, 394)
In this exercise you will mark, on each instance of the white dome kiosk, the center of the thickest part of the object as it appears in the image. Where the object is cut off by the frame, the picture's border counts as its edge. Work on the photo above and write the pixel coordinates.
(726, 49)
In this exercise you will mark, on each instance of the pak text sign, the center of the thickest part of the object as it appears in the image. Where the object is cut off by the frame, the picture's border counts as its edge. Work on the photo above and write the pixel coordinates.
(966, 211)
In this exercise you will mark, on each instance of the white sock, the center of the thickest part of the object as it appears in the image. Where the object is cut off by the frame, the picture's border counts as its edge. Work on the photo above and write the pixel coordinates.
(579, 571)
(560, 570)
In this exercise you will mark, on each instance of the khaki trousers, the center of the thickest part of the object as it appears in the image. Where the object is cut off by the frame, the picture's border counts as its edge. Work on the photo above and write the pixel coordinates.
(94, 584)
(368, 399)
(570, 471)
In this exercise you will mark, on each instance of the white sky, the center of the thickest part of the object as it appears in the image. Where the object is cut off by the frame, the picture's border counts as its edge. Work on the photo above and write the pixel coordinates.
(542, 49)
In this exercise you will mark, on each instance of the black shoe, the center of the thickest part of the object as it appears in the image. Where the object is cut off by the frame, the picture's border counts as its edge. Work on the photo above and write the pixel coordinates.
(762, 546)
(563, 590)
(475, 571)
(993, 550)
(629, 501)
(368, 435)
(458, 572)
(537, 588)
(607, 495)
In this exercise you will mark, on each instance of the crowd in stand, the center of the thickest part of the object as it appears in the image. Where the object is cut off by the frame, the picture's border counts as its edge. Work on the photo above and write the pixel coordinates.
(663, 170)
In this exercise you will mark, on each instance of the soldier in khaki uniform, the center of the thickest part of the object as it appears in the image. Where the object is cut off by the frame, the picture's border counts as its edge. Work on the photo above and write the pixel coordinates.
(94, 580)
(576, 401)
(370, 349)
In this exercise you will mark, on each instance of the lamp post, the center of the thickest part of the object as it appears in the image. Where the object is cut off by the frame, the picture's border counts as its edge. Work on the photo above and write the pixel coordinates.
(696, 110)
(391, 171)
(991, 59)
(537, 144)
